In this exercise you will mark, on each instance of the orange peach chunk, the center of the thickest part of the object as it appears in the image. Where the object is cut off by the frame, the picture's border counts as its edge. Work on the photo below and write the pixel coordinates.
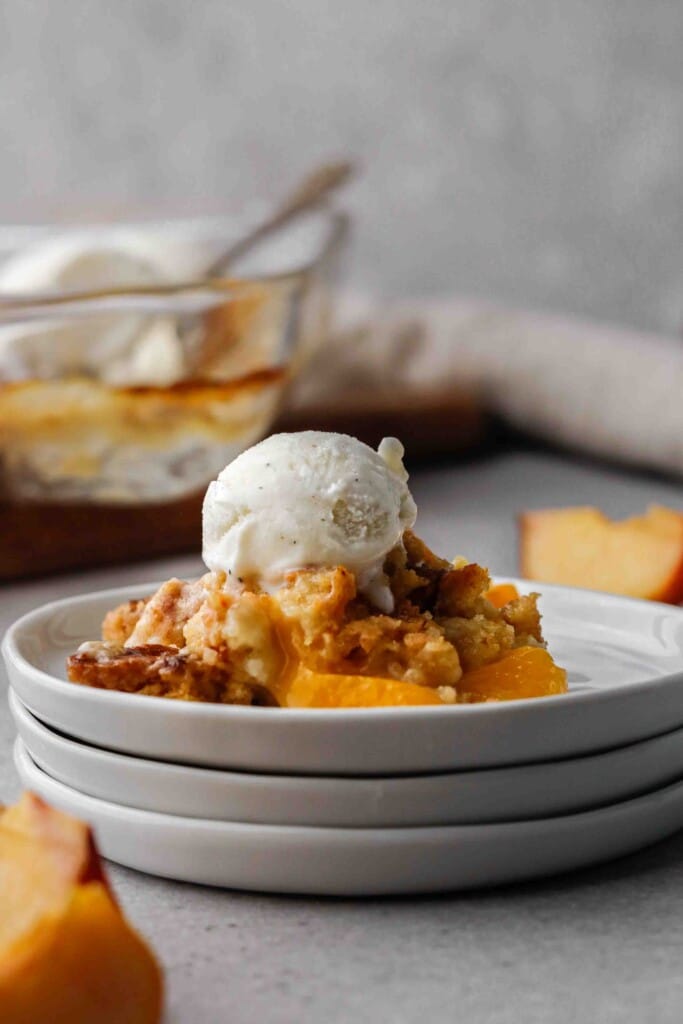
(67, 953)
(310, 689)
(523, 672)
(502, 594)
(581, 547)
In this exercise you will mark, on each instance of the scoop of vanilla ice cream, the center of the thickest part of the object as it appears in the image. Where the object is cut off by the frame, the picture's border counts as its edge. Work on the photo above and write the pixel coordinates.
(73, 263)
(309, 500)
(124, 349)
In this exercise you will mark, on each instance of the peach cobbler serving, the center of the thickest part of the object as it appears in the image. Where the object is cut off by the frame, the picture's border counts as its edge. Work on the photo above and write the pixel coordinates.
(319, 594)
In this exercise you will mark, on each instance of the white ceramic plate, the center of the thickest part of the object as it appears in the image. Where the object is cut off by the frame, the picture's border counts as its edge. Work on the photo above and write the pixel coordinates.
(360, 862)
(472, 797)
(625, 662)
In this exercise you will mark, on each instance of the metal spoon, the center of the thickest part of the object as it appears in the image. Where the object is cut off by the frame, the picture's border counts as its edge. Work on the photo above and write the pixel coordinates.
(308, 194)
(311, 191)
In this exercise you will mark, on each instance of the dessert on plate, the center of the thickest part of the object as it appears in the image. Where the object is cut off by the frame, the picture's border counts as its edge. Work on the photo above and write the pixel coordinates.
(319, 594)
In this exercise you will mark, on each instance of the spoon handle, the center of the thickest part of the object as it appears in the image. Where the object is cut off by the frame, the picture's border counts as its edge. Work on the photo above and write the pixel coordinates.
(315, 187)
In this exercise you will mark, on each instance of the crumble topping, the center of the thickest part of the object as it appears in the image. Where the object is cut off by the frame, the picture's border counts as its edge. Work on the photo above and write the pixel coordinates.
(215, 640)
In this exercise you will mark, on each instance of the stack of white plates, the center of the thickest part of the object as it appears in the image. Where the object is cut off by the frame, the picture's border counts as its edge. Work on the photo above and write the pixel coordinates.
(367, 801)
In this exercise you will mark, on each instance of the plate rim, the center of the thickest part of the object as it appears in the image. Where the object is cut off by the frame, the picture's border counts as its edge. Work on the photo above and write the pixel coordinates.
(159, 819)
(55, 736)
(360, 862)
(13, 656)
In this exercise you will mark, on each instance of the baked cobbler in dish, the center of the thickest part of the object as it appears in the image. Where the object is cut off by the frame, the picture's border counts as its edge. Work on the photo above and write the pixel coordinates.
(319, 594)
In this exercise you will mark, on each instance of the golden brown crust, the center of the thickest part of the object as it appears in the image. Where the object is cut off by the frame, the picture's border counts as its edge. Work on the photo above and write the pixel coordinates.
(478, 640)
(236, 631)
(163, 616)
(462, 591)
(157, 671)
(525, 618)
(422, 557)
(332, 631)
(120, 622)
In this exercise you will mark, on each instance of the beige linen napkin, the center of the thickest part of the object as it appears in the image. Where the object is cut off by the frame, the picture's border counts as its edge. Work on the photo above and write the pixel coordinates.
(592, 387)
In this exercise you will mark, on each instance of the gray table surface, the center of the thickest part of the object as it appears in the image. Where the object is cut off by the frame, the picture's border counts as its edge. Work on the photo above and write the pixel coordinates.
(603, 945)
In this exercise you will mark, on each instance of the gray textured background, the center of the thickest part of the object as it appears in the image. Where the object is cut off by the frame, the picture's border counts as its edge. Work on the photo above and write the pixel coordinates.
(530, 151)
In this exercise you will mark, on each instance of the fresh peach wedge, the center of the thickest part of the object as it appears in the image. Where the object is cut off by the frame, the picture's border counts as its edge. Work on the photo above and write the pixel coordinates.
(67, 954)
(581, 547)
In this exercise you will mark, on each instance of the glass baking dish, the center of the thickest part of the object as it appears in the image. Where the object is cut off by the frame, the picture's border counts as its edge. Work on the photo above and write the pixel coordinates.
(126, 395)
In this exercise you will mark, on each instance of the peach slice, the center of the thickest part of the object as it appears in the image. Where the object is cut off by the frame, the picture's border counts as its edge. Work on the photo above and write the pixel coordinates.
(67, 954)
(581, 547)
(523, 672)
(310, 689)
